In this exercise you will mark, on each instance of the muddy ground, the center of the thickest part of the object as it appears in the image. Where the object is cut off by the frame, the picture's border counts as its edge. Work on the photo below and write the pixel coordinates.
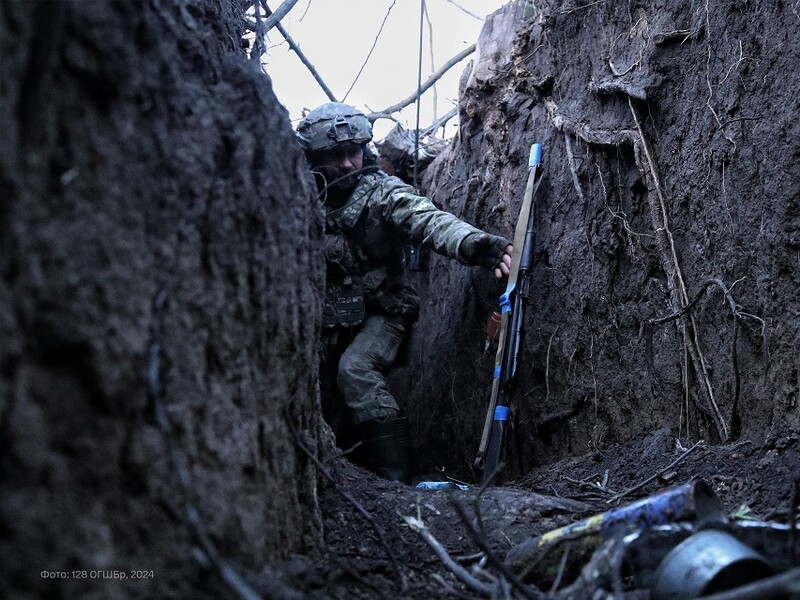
(752, 480)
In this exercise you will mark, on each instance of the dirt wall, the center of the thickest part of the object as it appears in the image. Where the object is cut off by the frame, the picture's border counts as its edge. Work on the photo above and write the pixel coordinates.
(671, 180)
(150, 237)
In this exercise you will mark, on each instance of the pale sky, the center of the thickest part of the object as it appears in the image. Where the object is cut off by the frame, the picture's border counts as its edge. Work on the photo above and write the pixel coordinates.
(336, 37)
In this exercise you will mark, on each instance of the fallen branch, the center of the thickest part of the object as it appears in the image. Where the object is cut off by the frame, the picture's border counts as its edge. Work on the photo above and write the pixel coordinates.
(457, 570)
(658, 474)
(424, 87)
(479, 540)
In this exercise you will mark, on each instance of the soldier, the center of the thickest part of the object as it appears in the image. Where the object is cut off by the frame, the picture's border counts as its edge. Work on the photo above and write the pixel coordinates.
(369, 304)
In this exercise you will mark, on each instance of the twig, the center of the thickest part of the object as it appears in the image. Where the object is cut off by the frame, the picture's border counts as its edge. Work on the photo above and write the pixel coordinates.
(473, 15)
(777, 586)
(438, 123)
(457, 570)
(476, 503)
(479, 540)
(566, 11)
(639, 486)
(561, 568)
(345, 452)
(449, 588)
(347, 496)
(356, 575)
(155, 389)
(590, 484)
(371, 50)
(258, 43)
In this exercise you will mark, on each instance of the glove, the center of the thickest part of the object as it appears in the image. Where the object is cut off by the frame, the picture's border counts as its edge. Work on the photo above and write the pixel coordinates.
(483, 249)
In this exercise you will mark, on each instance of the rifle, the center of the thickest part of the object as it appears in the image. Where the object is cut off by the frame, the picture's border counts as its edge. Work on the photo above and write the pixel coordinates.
(512, 308)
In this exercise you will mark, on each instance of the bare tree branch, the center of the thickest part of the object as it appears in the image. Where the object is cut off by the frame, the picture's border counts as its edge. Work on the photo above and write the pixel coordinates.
(439, 123)
(431, 80)
(281, 12)
(473, 15)
(299, 52)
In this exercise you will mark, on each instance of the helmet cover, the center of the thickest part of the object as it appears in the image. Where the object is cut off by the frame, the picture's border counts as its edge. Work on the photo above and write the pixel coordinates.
(332, 124)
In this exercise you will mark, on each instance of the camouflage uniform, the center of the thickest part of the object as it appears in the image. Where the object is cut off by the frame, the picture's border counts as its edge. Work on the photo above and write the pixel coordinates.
(369, 304)
(365, 241)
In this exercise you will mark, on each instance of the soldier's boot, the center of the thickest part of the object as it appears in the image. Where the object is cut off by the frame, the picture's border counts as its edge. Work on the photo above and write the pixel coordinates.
(388, 446)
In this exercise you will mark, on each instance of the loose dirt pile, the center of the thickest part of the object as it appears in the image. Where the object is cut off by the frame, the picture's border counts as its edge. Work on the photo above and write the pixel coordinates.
(369, 558)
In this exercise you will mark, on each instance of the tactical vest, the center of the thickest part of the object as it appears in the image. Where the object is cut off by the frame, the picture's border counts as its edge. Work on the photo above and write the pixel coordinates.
(365, 257)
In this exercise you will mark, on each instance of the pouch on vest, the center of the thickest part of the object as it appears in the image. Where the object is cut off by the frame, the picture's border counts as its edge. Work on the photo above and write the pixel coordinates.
(344, 304)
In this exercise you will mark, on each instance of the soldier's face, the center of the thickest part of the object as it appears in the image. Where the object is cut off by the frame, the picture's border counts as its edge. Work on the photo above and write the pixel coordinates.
(341, 165)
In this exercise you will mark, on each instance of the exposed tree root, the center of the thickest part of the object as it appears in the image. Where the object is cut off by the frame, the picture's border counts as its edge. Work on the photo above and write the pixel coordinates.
(737, 314)
(658, 212)
(674, 275)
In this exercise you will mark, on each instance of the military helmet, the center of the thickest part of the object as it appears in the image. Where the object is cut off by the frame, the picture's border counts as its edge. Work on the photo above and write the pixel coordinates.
(331, 124)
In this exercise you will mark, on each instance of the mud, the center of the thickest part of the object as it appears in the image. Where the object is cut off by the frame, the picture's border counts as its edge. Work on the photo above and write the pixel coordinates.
(136, 166)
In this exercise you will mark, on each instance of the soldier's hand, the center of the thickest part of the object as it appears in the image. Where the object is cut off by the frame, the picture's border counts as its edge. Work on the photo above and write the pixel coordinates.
(487, 250)
(504, 268)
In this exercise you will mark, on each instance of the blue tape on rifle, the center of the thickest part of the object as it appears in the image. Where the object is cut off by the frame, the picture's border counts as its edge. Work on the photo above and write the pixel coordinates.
(500, 413)
(535, 157)
(505, 299)
(497, 370)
